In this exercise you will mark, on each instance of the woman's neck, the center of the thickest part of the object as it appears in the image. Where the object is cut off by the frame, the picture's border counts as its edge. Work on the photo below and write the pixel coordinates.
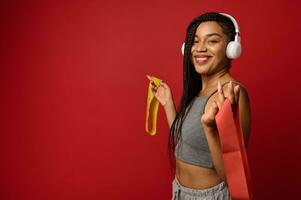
(209, 82)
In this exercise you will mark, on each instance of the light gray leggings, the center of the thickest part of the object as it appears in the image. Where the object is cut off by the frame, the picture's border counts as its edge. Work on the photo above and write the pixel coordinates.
(217, 192)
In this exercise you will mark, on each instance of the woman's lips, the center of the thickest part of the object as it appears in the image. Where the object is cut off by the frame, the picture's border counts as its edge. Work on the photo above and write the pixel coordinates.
(202, 60)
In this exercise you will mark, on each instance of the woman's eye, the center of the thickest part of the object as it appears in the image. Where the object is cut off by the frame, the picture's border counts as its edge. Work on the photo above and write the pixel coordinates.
(212, 41)
(195, 41)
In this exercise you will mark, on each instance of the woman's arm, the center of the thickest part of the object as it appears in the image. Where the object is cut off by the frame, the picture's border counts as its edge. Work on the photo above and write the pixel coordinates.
(164, 95)
(212, 134)
(245, 115)
(170, 112)
(216, 151)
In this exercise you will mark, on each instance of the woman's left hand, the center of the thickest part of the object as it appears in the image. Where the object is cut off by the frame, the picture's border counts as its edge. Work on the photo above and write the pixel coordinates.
(208, 118)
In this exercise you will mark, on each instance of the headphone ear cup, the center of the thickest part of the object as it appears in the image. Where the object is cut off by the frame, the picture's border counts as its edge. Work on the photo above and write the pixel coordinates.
(233, 50)
(183, 48)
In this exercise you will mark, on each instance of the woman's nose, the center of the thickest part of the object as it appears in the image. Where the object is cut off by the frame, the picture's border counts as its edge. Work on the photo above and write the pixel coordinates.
(201, 46)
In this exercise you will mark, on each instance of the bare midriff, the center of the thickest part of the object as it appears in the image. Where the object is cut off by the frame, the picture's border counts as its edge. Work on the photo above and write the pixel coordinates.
(196, 177)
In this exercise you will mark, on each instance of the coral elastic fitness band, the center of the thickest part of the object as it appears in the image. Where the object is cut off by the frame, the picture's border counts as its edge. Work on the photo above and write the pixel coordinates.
(234, 153)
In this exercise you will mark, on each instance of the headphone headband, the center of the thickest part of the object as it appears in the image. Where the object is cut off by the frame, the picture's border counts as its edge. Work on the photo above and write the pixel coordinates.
(233, 21)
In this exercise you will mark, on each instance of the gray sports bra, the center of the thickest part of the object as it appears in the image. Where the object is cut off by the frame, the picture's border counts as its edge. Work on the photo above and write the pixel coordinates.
(194, 148)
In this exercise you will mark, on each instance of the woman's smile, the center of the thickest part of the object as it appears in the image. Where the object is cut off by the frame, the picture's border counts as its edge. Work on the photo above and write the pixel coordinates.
(201, 59)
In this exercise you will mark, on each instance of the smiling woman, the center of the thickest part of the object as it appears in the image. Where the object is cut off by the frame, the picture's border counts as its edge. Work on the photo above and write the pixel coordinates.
(212, 40)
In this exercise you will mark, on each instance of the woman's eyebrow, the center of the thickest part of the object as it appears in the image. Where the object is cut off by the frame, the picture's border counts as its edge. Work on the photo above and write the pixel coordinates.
(211, 34)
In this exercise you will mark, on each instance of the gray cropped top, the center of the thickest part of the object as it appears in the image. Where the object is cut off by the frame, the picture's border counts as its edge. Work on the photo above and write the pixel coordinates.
(194, 148)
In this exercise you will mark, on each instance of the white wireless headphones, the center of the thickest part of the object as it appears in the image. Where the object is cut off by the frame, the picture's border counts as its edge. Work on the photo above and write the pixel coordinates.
(233, 50)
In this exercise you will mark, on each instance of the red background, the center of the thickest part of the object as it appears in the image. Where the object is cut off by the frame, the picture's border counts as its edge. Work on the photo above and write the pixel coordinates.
(73, 95)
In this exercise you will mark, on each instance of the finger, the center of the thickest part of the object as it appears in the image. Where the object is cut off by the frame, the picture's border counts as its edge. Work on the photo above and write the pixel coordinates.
(164, 85)
(218, 104)
(148, 77)
(151, 80)
(221, 96)
(153, 83)
(236, 93)
(214, 109)
(154, 90)
(231, 93)
(212, 112)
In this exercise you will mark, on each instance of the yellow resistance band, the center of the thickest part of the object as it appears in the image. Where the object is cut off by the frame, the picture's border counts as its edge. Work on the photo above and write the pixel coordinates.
(152, 107)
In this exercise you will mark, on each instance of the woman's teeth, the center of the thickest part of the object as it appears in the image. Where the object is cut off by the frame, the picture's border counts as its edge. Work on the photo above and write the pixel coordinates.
(201, 60)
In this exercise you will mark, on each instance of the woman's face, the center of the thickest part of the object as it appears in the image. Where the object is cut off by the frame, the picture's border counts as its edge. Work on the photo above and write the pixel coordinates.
(208, 52)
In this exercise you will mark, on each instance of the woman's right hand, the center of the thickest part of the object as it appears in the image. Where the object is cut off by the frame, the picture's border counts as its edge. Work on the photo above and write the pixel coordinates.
(162, 93)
